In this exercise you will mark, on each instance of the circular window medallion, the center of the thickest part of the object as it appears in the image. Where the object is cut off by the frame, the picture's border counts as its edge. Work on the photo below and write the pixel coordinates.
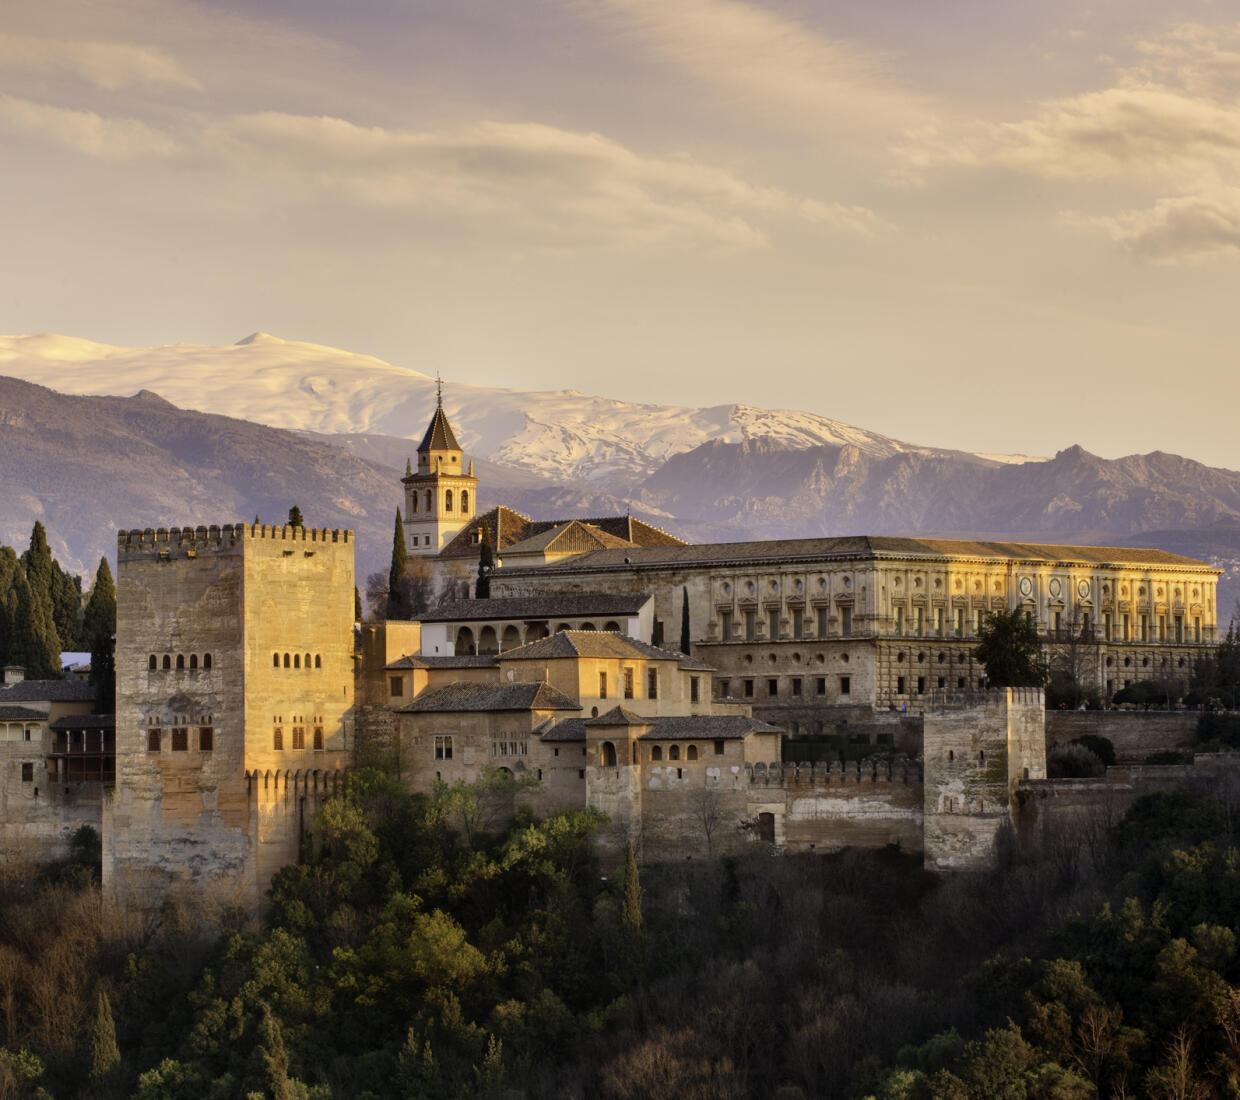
(847, 582)
(844, 657)
(1082, 589)
(1055, 587)
(749, 586)
(1026, 586)
(727, 588)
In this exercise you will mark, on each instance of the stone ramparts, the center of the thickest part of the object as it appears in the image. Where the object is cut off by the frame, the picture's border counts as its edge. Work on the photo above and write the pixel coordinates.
(146, 541)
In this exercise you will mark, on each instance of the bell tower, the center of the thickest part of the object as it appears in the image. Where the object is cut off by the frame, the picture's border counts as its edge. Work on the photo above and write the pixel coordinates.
(440, 496)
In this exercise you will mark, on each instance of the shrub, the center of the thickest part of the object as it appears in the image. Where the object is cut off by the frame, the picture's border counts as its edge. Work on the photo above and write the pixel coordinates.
(1101, 747)
(1073, 761)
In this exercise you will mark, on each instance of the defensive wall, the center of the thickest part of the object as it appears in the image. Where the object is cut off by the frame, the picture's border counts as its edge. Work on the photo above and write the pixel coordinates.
(1135, 734)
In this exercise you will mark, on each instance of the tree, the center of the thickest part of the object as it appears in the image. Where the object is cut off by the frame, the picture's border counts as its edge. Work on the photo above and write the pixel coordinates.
(33, 643)
(397, 608)
(357, 605)
(105, 1055)
(294, 517)
(486, 565)
(39, 569)
(684, 621)
(99, 632)
(66, 597)
(1009, 646)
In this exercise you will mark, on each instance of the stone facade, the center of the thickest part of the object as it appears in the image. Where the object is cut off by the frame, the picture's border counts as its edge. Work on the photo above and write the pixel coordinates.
(235, 685)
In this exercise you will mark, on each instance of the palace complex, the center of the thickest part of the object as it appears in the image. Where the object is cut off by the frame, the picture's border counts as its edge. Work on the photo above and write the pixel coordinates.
(245, 689)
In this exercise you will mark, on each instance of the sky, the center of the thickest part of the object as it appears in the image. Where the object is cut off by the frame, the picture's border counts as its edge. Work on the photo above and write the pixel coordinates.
(995, 226)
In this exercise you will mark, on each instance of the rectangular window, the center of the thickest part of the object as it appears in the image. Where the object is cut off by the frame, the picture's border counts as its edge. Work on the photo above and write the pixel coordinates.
(919, 620)
(1106, 627)
(299, 738)
(1145, 628)
(899, 620)
(628, 683)
(921, 685)
(1086, 624)
(772, 686)
(725, 625)
(1196, 628)
(180, 740)
(152, 740)
(798, 622)
(845, 685)
(938, 621)
(748, 689)
(718, 748)
(725, 688)
(693, 689)
(28, 773)
(772, 624)
(398, 687)
(960, 622)
(822, 622)
(1162, 628)
(960, 683)
(796, 685)
(277, 739)
(443, 746)
(820, 686)
(318, 738)
(942, 683)
(751, 625)
(206, 739)
(581, 773)
(1057, 622)
(899, 685)
(1179, 628)
(652, 683)
(1126, 636)
(979, 617)
(602, 685)
(846, 621)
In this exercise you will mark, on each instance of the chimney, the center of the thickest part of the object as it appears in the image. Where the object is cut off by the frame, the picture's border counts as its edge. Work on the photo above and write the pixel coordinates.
(14, 674)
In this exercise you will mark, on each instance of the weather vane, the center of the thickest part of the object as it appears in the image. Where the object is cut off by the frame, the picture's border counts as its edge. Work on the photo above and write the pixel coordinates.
(439, 389)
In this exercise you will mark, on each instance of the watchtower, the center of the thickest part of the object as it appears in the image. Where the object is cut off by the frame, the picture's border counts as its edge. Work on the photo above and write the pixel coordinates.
(440, 496)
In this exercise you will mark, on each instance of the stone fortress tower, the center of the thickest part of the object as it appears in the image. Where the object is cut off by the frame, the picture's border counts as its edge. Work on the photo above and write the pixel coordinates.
(440, 498)
(234, 678)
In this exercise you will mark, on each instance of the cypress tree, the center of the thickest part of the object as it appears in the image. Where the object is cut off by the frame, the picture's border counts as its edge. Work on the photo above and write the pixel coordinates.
(39, 568)
(396, 598)
(357, 605)
(9, 568)
(32, 639)
(66, 597)
(294, 517)
(684, 622)
(486, 564)
(105, 1055)
(631, 912)
(99, 632)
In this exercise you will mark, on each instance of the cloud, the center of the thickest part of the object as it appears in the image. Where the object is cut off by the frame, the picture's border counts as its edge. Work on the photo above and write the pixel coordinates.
(107, 65)
(1189, 227)
(776, 63)
(85, 131)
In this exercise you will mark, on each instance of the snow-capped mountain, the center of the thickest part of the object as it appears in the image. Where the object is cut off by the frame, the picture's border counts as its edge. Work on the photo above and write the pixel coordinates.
(291, 384)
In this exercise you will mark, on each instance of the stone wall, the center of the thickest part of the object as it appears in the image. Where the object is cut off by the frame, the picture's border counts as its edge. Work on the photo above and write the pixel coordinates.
(1135, 734)
(37, 818)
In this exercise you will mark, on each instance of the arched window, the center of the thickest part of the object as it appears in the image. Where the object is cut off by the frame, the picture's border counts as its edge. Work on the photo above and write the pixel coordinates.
(193, 661)
(512, 637)
(673, 753)
(447, 501)
(180, 661)
(318, 660)
(152, 663)
(428, 500)
(275, 660)
(206, 660)
(307, 660)
(609, 755)
(612, 625)
(587, 626)
(464, 642)
(465, 500)
(286, 661)
(297, 660)
(167, 662)
(692, 753)
(414, 500)
(656, 753)
(487, 641)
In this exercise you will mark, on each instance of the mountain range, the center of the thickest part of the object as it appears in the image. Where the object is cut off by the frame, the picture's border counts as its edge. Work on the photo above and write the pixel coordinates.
(277, 422)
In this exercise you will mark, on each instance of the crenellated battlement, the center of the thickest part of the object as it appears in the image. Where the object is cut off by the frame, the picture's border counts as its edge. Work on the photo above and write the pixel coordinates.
(134, 543)
(993, 699)
(895, 770)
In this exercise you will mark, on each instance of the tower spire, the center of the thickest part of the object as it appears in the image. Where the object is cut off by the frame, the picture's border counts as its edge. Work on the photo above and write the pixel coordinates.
(438, 390)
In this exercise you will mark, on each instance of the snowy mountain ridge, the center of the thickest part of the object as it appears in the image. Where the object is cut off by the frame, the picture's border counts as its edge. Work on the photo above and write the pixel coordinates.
(563, 434)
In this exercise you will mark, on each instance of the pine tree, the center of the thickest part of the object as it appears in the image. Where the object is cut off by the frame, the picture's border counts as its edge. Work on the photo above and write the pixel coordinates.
(486, 565)
(294, 517)
(397, 608)
(684, 622)
(105, 1055)
(99, 632)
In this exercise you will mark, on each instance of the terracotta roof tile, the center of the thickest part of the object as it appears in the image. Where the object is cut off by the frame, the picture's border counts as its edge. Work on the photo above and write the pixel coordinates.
(490, 697)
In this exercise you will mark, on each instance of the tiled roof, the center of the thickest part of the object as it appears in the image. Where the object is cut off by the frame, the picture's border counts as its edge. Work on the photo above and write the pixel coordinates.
(575, 536)
(21, 714)
(628, 528)
(589, 643)
(694, 664)
(864, 547)
(51, 691)
(491, 697)
(706, 727)
(84, 722)
(508, 527)
(537, 607)
(619, 716)
(418, 661)
(504, 525)
(439, 435)
(571, 729)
